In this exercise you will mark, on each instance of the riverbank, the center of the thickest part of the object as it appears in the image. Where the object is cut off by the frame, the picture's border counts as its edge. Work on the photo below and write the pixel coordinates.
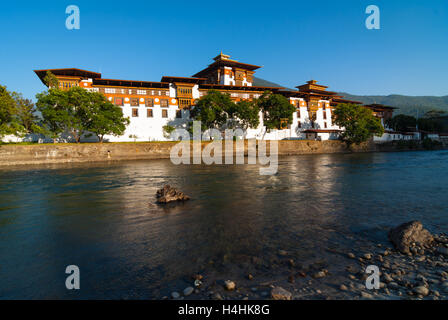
(18, 154)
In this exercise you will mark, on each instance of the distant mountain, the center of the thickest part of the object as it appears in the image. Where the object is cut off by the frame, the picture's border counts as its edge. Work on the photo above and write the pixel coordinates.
(406, 104)
(410, 105)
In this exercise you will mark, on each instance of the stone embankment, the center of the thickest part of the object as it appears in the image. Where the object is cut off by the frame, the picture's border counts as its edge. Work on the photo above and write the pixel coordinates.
(94, 152)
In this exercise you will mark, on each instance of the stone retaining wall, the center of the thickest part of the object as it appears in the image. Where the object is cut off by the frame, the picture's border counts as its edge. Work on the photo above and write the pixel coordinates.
(86, 152)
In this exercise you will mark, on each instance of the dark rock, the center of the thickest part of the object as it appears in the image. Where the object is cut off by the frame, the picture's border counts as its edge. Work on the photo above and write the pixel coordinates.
(408, 233)
(169, 194)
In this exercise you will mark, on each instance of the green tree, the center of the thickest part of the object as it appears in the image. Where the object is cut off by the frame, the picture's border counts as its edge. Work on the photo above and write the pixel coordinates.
(9, 120)
(358, 122)
(402, 122)
(51, 80)
(26, 115)
(212, 109)
(64, 111)
(276, 108)
(245, 114)
(103, 117)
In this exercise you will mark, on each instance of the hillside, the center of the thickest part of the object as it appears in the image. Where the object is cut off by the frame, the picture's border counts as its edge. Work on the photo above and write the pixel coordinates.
(406, 104)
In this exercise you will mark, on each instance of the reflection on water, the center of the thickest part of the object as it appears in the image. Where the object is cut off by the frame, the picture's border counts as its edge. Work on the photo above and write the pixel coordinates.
(103, 218)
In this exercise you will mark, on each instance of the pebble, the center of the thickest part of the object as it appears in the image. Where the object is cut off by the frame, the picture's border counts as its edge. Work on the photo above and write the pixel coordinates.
(229, 285)
(421, 290)
(366, 295)
(368, 256)
(175, 295)
(320, 274)
(351, 255)
(188, 291)
(278, 293)
(343, 287)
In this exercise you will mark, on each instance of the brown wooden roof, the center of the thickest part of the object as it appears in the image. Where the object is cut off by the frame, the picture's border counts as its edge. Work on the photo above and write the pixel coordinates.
(70, 72)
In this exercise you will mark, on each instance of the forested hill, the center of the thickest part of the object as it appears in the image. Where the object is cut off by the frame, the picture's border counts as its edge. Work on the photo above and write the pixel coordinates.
(406, 104)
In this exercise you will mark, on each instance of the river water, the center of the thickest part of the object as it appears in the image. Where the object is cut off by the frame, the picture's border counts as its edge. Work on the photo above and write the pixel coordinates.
(103, 218)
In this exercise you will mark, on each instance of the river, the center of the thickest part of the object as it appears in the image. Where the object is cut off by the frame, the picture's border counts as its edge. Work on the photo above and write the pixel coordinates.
(102, 217)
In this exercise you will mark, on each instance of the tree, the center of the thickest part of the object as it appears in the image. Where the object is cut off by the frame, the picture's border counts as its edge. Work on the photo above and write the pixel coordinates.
(64, 111)
(9, 121)
(51, 80)
(78, 111)
(103, 117)
(245, 114)
(359, 122)
(402, 122)
(212, 109)
(26, 115)
(276, 108)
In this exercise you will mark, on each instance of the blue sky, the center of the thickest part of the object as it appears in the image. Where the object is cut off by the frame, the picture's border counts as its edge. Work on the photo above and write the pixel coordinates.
(294, 41)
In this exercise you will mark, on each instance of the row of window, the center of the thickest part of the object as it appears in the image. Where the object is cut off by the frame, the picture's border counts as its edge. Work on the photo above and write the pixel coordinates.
(135, 91)
(135, 102)
(150, 114)
(298, 114)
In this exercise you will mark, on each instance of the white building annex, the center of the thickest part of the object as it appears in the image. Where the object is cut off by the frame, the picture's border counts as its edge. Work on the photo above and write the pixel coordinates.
(152, 105)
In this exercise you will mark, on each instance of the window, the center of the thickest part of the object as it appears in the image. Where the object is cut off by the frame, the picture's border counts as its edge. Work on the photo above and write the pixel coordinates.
(325, 114)
(325, 125)
(141, 91)
(134, 102)
(164, 113)
(184, 103)
(164, 103)
(109, 90)
(118, 101)
(178, 114)
(135, 112)
(299, 124)
(298, 113)
(149, 102)
(149, 113)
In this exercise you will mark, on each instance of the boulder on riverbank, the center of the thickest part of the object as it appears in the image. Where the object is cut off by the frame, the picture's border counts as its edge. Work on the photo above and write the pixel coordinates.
(406, 234)
(169, 194)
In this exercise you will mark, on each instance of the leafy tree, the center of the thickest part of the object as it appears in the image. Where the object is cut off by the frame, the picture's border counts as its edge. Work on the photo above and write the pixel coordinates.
(51, 80)
(212, 109)
(103, 117)
(245, 114)
(26, 114)
(9, 121)
(402, 122)
(359, 122)
(64, 111)
(78, 111)
(275, 108)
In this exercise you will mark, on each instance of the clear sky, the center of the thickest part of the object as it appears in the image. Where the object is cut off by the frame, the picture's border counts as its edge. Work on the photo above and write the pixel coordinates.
(294, 41)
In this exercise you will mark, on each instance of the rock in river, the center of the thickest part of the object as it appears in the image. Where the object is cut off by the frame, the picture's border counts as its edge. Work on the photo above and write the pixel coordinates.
(278, 293)
(169, 194)
(411, 232)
